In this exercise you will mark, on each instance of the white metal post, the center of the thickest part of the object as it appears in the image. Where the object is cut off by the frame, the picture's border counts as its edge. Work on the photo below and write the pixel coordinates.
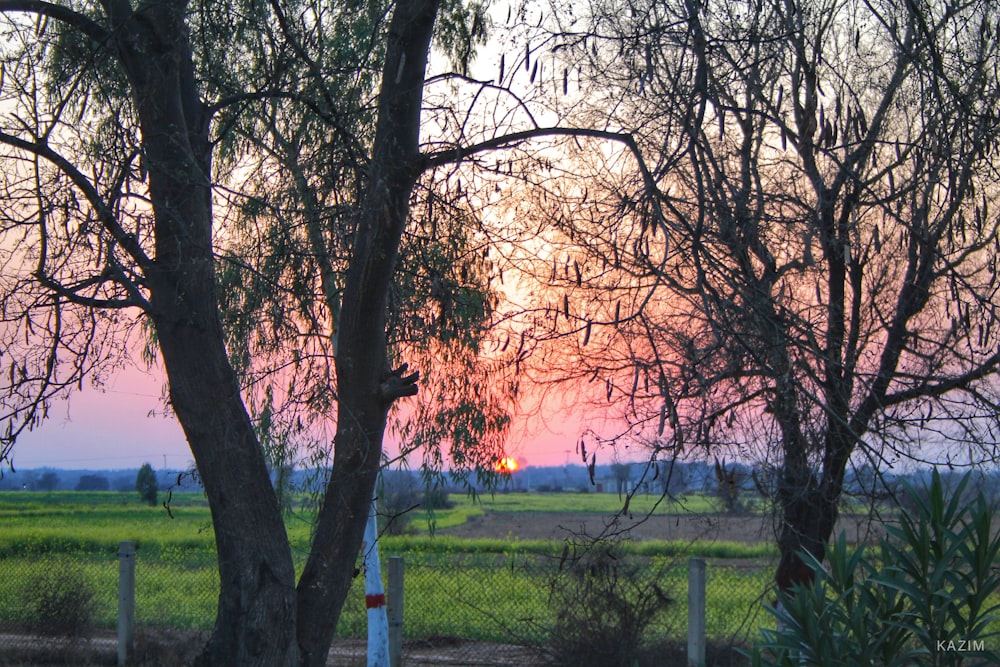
(378, 623)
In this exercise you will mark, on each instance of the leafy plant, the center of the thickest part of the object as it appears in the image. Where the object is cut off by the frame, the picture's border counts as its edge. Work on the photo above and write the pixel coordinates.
(59, 603)
(605, 604)
(146, 484)
(929, 598)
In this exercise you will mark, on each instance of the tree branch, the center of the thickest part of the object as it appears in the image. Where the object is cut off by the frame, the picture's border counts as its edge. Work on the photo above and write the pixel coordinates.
(938, 389)
(458, 153)
(60, 13)
(73, 295)
(105, 215)
(396, 385)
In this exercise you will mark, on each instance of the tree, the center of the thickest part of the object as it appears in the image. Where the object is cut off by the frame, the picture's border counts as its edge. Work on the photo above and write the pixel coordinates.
(117, 118)
(622, 472)
(815, 282)
(146, 485)
(729, 483)
(92, 483)
(49, 481)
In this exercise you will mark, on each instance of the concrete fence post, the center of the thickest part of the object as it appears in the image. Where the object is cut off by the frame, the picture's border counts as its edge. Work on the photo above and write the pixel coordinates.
(696, 612)
(126, 602)
(394, 609)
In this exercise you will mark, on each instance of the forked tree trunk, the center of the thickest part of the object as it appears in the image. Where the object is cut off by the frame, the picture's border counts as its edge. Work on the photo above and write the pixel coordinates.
(366, 386)
(262, 619)
(806, 525)
(809, 506)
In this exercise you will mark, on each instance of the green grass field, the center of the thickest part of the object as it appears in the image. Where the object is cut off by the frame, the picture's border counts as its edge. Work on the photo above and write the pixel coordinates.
(491, 589)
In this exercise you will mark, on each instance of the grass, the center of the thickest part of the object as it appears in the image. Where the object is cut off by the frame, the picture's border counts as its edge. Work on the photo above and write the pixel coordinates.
(490, 589)
(476, 596)
(589, 503)
(446, 544)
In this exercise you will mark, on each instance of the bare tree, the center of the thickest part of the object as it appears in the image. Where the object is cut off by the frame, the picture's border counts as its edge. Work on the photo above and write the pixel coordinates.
(816, 280)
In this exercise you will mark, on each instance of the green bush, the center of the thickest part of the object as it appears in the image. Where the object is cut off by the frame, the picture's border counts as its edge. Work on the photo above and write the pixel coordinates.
(929, 597)
(606, 606)
(59, 603)
(146, 484)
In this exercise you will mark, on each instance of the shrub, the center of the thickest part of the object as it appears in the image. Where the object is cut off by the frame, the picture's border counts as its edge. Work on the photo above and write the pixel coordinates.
(927, 598)
(399, 494)
(146, 485)
(435, 498)
(59, 603)
(605, 606)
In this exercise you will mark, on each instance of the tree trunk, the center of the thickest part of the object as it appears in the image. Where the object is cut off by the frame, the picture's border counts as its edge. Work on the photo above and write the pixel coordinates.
(366, 386)
(809, 508)
(255, 622)
(806, 525)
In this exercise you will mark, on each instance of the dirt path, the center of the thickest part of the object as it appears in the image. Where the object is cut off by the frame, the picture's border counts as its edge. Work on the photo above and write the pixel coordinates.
(749, 529)
(439, 651)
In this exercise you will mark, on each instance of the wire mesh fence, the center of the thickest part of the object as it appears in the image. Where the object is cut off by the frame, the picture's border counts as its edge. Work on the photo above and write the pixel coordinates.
(471, 608)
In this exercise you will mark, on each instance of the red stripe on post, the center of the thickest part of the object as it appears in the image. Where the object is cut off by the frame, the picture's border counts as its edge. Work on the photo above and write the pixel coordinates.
(375, 601)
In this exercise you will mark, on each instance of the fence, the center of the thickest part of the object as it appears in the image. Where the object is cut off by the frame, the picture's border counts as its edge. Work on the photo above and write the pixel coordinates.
(453, 603)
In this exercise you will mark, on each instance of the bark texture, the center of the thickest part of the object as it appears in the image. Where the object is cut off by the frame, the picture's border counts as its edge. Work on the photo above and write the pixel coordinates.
(255, 623)
(366, 384)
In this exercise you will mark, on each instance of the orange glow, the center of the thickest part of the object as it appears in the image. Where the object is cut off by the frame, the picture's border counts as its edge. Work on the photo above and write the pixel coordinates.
(506, 465)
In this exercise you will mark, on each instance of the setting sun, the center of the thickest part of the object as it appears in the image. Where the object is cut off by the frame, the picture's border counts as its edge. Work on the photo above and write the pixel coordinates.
(506, 465)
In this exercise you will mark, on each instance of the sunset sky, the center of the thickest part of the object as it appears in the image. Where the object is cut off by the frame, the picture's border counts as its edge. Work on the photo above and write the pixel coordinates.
(109, 429)
(114, 429)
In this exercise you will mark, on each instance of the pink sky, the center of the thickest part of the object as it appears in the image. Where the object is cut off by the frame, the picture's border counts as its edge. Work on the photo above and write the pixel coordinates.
(107, 430)
(113, 429)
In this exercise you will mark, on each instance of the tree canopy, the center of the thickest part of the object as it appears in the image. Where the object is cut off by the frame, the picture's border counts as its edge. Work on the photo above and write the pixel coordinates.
(231, 186)
(814, 281)
(768, 227)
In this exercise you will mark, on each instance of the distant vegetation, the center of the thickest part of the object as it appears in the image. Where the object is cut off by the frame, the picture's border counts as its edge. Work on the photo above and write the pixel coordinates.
(51, 530)
(146, 484)
(177, 580)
